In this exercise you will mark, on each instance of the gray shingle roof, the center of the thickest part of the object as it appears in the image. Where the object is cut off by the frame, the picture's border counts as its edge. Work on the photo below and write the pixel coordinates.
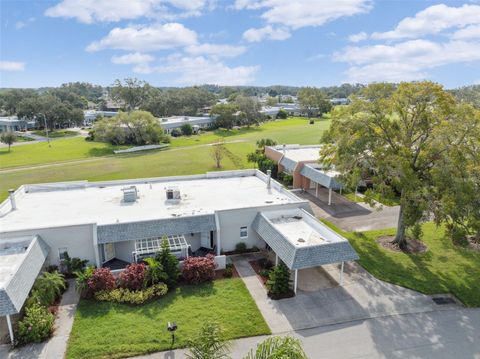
(320, 177)
(302, 257)
(155, 228)
(288, 163)
(15, 291)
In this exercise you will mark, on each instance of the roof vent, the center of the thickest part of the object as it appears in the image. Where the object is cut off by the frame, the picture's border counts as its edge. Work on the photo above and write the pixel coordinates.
(173, 194)
(130, 194)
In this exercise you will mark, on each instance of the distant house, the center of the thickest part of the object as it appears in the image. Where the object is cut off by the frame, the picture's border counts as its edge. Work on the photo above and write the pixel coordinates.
(89, 116)
(339, 101)
(176, 122)
(13, 123)
(302, 162)
(292, 109)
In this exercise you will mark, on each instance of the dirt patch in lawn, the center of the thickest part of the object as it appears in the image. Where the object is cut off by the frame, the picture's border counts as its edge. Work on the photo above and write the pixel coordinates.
(413, 246)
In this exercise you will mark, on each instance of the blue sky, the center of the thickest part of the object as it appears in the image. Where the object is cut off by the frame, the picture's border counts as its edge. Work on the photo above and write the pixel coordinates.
(238, 42)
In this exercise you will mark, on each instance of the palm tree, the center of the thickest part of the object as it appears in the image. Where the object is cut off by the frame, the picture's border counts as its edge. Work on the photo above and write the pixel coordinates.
(209, 344)
(49, 286)
(278, 348)
(154, 273)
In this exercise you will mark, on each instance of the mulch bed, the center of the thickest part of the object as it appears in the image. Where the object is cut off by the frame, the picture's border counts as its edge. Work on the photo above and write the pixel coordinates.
(250, 250)
(219, 273)
(257, 268)
(413, 246)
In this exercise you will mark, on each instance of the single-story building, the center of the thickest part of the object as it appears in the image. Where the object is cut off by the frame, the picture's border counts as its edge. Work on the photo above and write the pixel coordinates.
(13, 123)
(89, 116)
(302, 162)
(176, 122)
(114, 223)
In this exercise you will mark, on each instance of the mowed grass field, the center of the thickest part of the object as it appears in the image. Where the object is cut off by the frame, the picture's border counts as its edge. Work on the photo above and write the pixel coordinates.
(94, 161)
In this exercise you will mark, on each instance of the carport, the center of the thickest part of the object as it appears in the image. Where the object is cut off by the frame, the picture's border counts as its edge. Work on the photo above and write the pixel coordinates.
(21, 260)
(301, 241)
(321, 177)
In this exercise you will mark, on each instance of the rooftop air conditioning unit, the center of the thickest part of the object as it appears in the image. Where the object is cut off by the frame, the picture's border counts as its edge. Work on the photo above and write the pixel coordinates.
(130, 194)
(173, 194)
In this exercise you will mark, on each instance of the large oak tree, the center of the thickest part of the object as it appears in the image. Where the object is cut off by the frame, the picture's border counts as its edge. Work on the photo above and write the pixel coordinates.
(399, 137)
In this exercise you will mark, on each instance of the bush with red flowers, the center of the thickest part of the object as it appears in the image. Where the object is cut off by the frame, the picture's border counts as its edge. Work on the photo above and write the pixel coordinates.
(101, 279)
(133, 277)
(199, 269)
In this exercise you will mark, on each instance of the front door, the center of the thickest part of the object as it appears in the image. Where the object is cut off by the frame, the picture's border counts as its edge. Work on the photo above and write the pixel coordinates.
(108, 251)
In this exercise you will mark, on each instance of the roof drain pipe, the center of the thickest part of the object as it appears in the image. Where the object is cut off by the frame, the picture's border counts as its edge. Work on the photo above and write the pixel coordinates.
(13, 203)
(269, 178)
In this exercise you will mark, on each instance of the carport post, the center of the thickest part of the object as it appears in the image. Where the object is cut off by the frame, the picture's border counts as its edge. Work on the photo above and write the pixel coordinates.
(295, 281)
(329, 196)
(341, 275)
(10, 330)
(276, 259)
(316, 189)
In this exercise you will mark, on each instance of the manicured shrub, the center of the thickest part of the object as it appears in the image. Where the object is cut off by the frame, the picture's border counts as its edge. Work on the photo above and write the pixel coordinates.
(81, 283)
(175, 132)
(36, 325)
(47, 289)
(186, 129)
(282, 114)
(169, 263)
(154, 272)
(72, 265)
(265, 263)
(264, 273)
(240, 247)
(123, 295)
(133, 277)
(278, 283)
(101, 279)
(199, 269)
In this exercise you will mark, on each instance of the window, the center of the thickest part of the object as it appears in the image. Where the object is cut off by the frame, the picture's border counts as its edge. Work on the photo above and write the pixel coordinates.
(243, 232)
(62, 254)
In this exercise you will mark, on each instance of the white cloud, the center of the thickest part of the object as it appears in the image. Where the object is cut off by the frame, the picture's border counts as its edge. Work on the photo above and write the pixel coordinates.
(24, 23)
(132, 58)
(358, 37)
(200, 70)
(432, 20)
(267, 32)
(469, 32)
(90, 11)
(12, 66)
(216, 50)
(146, 38)
(409, 60)
(300, 13)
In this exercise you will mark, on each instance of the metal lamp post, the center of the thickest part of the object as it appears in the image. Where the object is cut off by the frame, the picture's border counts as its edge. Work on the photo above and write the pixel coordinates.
(172, 327)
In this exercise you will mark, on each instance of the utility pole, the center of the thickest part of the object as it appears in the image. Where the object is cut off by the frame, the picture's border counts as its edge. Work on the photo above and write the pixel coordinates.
(46, 129)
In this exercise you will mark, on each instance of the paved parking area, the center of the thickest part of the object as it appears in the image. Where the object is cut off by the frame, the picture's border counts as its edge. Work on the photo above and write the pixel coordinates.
(321, 301)
(350, 216)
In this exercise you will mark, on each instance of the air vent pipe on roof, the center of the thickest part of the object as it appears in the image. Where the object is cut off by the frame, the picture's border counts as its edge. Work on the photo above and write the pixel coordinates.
(269, 178)
(284, 148)
(13, 203)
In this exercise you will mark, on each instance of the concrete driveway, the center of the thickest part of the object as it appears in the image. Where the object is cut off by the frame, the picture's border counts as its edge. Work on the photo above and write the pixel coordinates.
(321, 301)
(350, 216)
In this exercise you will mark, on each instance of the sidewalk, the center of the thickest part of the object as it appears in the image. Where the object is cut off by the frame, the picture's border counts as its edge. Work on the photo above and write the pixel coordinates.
(56, 346)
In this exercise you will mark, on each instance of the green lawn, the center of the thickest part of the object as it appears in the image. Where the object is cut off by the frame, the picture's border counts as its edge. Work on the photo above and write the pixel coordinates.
(61, 150)
(108, 330)
(444, 268)
(55, 133)
(182, 158)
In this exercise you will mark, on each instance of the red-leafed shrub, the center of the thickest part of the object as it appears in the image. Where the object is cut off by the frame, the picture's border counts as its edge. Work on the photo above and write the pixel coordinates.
(101, 279)
(199, 269)
(133, 277)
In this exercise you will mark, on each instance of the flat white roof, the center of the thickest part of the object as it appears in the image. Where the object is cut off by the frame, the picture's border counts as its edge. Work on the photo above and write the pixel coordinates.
(183, 119)
(12, 253)
(301, 229)
(102, 203)
(299, 153)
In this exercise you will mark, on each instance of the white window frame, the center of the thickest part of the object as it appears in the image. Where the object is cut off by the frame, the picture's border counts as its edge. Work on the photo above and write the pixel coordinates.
(62, 250)
(244, 232)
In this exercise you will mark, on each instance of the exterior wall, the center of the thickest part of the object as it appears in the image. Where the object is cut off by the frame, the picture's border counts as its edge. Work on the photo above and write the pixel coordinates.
(230, 222)
(123, 250)
(77, 239)
(274, 155)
